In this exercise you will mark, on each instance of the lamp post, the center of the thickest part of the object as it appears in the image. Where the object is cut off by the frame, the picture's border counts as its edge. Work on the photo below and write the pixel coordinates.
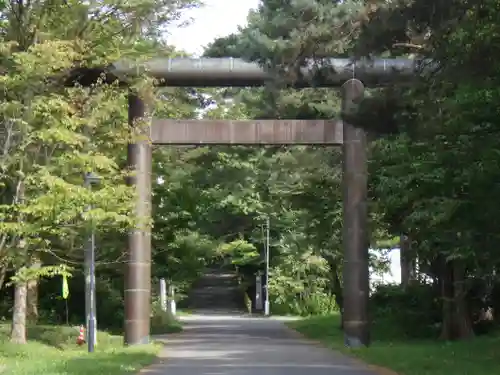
(90, 303)
(266, 302)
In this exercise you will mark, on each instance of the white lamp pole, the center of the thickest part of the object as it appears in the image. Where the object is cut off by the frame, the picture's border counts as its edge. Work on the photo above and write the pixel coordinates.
(266, 302)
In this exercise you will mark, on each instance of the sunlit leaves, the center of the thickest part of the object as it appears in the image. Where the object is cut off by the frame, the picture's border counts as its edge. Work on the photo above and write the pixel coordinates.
(47, 146)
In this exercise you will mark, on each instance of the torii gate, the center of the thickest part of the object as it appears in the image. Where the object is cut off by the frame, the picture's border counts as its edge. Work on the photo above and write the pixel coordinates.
(230, 72)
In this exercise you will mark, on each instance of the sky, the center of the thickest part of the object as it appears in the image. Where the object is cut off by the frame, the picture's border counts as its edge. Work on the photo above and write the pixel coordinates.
(216, 19)
(220, 18)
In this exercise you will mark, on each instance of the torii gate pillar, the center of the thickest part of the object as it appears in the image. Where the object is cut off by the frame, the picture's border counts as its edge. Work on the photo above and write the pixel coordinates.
(355, 223)
(137, 291)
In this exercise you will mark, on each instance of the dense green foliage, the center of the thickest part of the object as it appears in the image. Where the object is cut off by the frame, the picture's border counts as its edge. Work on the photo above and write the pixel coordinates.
(434, 162)
(433, 154)
(51, 135)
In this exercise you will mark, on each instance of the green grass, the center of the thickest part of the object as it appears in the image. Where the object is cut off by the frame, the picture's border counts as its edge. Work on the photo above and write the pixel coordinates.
(52, 350)
(410, 357)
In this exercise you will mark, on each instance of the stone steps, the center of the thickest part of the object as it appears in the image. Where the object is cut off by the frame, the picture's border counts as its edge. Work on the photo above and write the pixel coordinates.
(217, 289)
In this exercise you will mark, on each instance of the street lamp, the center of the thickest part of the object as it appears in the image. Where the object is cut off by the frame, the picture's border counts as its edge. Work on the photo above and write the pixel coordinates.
(266, 302)
(90, 302)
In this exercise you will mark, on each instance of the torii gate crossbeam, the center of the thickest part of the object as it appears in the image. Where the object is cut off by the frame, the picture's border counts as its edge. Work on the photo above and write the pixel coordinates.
(233, 72)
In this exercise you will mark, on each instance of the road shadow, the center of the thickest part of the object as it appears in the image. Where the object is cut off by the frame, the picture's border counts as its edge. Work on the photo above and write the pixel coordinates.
(235, 346)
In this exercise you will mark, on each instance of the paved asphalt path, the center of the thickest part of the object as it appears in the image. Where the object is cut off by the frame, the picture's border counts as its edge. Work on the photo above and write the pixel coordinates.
(215, 344)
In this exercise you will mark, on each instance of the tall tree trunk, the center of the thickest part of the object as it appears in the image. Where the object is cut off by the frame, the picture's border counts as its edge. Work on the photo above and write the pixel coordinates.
(495, 297)
(32, 301)
(18, 332)
(339, 298)
(32, 295)
(462, 319)
(446, 286)
(336, 288)
(407, 261)
(3, 274)
(457, 324)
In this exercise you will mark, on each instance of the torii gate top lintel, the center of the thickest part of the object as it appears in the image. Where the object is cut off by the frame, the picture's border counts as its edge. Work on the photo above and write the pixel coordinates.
(235, 72)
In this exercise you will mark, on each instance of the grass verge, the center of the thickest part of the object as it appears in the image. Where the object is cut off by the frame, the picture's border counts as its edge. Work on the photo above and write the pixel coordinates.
(52, 350)
(409, 357)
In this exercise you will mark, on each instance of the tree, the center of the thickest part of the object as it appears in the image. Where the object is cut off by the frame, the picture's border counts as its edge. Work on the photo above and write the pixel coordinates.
(56, 133)
(432, 150)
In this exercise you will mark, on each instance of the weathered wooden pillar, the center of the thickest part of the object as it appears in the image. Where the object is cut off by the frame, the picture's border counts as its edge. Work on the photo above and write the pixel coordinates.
(355, 231)
(138, 269)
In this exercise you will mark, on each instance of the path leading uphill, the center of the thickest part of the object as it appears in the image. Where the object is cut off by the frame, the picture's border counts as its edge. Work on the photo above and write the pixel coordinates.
(214, 344)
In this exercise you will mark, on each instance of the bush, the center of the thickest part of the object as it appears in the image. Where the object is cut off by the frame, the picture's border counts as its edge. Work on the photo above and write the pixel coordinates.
(412, 312)
(163, 322)
(317, 303)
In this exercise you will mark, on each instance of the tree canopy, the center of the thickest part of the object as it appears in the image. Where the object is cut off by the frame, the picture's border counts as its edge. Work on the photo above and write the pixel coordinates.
(433, 157)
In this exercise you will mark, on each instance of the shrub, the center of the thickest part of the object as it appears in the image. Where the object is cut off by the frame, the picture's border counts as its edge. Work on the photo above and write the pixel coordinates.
(304, 304)
(163, 322)
(412, 312)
